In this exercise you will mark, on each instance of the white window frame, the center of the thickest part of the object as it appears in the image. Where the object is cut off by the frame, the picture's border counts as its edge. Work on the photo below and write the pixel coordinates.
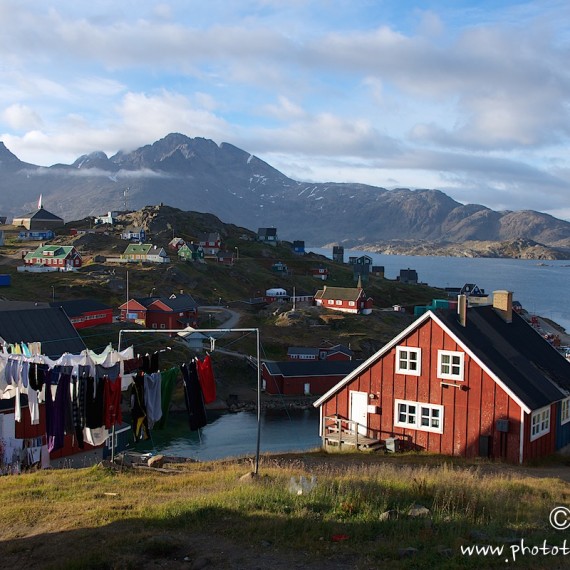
(565, 411)
(539, 423)
(416, 414)
(452, 354)
(406, 370)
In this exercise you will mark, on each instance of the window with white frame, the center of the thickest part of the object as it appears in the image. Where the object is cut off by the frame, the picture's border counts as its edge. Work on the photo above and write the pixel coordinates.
(408, 360)
(450, 364)
(417, 415)
(539, 423)
(565, 411)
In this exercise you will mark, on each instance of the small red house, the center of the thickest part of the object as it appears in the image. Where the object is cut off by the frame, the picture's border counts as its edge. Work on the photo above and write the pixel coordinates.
(481, 384)
(344, 299)
(86, 313)
(174, 312)
(226, 257)
(304, 378)
(55, 256)
(319, 273)
(211, 243)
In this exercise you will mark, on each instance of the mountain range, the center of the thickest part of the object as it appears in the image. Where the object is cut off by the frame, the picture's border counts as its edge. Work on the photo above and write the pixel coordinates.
(198, 174)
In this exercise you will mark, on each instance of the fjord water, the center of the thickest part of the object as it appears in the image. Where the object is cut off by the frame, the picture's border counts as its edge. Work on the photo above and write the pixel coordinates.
(542, 287)
(235, 434)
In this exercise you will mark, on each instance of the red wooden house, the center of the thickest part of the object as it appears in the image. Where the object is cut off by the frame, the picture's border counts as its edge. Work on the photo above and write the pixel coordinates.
(321, 273)
(174, 312)
(211, 243)
(299, 378)
(85, 313)
(481, 384)
(344, 299)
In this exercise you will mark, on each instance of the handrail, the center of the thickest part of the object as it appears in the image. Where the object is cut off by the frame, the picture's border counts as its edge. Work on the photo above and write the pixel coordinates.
(336, 422)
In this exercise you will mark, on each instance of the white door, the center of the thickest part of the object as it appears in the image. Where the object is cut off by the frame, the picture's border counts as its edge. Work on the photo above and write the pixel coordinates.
(359, 411)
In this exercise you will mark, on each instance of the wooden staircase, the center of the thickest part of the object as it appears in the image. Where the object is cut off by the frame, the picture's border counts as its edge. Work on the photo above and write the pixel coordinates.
(339, 432)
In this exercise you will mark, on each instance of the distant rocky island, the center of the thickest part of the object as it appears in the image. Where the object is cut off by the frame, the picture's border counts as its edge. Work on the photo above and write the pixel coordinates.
(515, 249)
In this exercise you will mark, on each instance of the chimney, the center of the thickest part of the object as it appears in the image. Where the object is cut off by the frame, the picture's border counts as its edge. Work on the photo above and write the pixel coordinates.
(503, 304)
(462, 309)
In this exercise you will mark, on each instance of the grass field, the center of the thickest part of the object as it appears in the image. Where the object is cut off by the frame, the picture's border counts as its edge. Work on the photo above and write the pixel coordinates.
(358, 515)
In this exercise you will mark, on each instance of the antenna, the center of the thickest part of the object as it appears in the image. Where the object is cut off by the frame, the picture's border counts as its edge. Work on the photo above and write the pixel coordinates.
(125, 192)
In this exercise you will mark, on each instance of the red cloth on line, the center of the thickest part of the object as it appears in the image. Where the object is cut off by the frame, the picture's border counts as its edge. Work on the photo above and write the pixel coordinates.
(112, 399)
(206, 378)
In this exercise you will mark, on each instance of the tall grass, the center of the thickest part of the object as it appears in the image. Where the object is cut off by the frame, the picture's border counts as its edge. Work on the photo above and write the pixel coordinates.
(465, 505)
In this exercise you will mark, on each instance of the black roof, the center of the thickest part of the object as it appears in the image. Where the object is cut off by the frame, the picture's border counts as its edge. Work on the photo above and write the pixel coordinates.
(312, 368)
(41, 214)
(78, 307)
(48, 325)
(524, 361)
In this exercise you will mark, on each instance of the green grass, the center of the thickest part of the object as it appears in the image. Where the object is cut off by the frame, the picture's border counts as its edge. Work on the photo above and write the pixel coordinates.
(210, 500)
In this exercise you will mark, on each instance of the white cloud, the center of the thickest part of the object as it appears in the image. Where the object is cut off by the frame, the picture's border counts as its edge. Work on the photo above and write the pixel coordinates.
(21, 117)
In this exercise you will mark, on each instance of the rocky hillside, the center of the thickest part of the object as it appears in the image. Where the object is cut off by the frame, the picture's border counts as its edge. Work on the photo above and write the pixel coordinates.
(198, 174)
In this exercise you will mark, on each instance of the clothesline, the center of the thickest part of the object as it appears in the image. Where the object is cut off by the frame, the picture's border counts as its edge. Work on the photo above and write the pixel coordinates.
(82, 393)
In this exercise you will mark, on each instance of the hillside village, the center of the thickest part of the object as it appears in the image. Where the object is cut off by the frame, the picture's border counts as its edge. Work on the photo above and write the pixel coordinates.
(336, 332)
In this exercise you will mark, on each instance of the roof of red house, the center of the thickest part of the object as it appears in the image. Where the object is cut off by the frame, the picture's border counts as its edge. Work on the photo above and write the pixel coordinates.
(312, 368)
(513, 354)
(521, 357)
(177, 302)
(339, 293)
(77, 307)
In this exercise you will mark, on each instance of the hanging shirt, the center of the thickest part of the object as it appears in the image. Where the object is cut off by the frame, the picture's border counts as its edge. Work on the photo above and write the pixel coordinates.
(152, 397)
(206, 377)
(193, 397)
(57, 401)
(167, 384)
(139, 422)
(112, 399)
(94, 402)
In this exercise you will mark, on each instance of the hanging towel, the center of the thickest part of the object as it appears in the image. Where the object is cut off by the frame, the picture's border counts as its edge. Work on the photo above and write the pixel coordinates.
(152, 397)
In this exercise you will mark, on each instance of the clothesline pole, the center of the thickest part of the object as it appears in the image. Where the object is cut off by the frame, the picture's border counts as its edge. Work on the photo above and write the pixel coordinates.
(258, 404)
(203, 331)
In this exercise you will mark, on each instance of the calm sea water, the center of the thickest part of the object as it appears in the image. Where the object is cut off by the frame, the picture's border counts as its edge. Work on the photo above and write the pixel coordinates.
(235, 435)
(542, 287)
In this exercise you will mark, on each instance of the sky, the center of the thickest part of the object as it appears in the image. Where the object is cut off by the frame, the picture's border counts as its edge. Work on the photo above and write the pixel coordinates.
(470, 98)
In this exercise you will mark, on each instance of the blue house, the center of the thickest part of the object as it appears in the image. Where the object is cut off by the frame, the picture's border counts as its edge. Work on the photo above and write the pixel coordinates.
(36, 235)
(299, 247)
